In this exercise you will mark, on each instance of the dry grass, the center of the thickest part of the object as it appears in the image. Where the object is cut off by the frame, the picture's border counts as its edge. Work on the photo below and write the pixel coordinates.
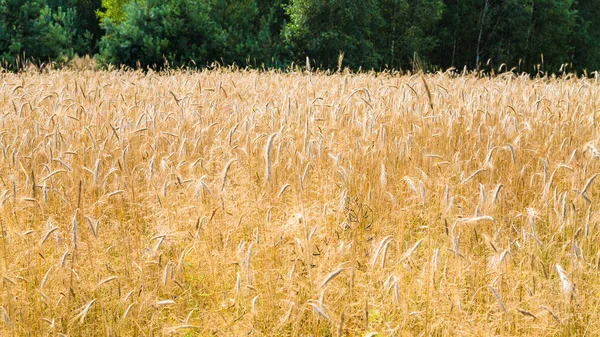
(235, 203)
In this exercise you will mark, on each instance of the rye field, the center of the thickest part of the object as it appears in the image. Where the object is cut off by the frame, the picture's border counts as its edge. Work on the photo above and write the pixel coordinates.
(228, 203)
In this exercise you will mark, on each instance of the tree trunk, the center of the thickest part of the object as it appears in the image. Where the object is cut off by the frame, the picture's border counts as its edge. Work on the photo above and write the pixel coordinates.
(485, 8)
(393, 35)
(456, 24)
(528, 36)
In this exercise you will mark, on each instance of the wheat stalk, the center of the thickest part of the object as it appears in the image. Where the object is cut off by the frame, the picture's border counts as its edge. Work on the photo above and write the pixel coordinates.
(268, 147)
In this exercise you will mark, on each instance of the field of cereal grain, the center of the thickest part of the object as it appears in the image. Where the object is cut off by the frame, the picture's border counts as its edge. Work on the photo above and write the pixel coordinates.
(223, 203)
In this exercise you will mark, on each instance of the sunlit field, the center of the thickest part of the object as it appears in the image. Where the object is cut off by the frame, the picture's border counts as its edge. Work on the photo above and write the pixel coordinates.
(225, 203)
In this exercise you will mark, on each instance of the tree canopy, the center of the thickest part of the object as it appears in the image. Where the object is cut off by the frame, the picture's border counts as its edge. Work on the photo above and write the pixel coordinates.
(524, 35)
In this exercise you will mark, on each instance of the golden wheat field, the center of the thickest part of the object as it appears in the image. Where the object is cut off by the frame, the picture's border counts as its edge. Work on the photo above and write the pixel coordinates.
(227, 203)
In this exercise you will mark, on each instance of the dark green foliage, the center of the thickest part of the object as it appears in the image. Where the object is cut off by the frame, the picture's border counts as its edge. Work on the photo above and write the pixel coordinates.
(82, 23)
(274, 18)
(237, 19)
(323, 29)
(193, 35)
(30, 30)
(487, 33)
(271, 50)
(549, 40)
(160, 32)
(475, 32)
(535, 36)
(89, 31)
(587, 36)
(140, 38)
(409, 32)
(251, 30)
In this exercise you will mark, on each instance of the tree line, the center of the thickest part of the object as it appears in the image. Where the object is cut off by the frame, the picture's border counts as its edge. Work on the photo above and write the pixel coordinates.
(522, 35)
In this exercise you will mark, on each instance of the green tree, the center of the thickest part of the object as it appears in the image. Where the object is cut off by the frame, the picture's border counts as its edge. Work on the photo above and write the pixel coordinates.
(237, 18)
(178, 32)
(81, 22)
(323, 29)
(587, 35)
(114, 10)
(472, 32)
(88, 25)
(273, 49)
(516, 33)
(29, 30)
(409, 30)
(252, 31)
(549, 40)
(193, 34)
